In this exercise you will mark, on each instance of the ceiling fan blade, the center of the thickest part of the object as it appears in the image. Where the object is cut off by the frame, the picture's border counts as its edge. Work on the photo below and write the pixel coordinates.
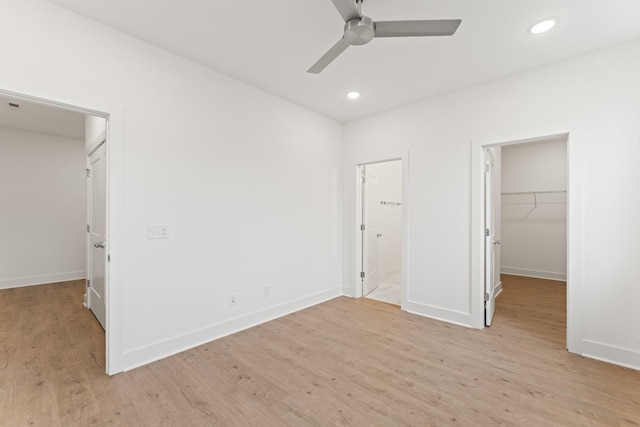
(347, 9)
(328, 57)
(442, 27)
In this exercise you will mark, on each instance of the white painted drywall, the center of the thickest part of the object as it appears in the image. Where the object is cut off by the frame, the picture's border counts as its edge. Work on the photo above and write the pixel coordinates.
(534, 235)
(598, 93)
(389, 217)
(249, 184)
(94, 127)
(43, 214)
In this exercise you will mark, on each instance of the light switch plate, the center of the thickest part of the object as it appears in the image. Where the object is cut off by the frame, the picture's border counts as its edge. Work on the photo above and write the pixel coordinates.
(158, 231)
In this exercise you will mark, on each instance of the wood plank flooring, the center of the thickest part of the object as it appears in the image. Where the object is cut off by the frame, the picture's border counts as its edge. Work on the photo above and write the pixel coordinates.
(346, 362)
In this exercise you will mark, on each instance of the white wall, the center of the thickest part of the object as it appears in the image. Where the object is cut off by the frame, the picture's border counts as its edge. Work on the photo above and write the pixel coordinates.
(598, 94)
(534, 235)
(249, 184)
(93, 128)
(43, 214)
(389, 217)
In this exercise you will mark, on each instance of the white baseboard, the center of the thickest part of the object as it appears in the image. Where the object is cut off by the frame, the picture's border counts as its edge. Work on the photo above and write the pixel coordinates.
(19, 282)
(437, 313)
(498, 289)
(611, 354)
(160, 350)
(389, 273)
(347, 292)
(539, 274)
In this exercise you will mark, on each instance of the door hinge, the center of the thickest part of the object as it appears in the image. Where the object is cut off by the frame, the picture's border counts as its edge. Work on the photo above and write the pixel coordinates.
(108, 258)
(486, 232)
(88, 172)
(88, 228)
(487, 168)
(361, 227)
(88, 283)
(362, 274)
(486, 296)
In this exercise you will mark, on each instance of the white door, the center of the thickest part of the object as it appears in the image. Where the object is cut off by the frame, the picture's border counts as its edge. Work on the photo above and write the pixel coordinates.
(492, 271)
(370, 235)
(97, 221)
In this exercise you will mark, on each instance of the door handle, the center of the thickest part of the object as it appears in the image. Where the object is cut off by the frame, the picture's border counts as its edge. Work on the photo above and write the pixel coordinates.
(98, 245)
(497, 242)
(379, 235)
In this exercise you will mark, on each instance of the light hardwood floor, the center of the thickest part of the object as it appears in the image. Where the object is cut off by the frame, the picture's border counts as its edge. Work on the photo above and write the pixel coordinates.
(345, 362)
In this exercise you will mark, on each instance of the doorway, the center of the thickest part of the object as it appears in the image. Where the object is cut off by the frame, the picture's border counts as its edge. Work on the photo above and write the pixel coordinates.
(113, 119)
(525, 217)
(380, 225)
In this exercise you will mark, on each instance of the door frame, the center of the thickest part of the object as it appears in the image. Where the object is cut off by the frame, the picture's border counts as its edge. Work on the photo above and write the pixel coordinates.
(403, 157)
(65, 99)
(573, 133)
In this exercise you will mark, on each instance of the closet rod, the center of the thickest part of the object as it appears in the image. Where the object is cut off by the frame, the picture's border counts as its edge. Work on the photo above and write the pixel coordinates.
(533, 192)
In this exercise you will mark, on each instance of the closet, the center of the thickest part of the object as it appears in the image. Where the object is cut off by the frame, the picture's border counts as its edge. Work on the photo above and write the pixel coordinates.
(534, 209)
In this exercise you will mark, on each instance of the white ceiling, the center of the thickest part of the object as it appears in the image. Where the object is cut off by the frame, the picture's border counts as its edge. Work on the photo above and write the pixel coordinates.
(35, 117)
(270, 44)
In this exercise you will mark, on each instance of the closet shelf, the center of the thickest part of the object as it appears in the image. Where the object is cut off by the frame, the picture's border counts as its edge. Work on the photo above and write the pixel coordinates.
(535, 197)
(534, 192)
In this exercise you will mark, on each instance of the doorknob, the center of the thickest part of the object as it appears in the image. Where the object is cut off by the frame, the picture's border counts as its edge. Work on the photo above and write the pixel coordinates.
(497, 242)
(379, 235)
(98, 245)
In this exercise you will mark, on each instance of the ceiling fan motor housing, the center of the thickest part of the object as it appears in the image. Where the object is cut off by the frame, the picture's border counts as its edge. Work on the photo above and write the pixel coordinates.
(359, 31)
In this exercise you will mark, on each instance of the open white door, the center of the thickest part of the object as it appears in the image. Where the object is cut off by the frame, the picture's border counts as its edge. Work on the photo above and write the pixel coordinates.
(492, 271)
(96, 219)
(370, 233)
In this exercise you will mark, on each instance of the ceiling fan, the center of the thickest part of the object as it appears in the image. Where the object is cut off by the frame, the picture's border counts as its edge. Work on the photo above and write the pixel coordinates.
(360, 29)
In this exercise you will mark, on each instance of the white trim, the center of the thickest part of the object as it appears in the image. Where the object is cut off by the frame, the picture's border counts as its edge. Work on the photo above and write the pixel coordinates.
(160, 350)
(498, 289)
(403, 156)
(611, 354)
(60, 97)
(42, 279)
(389, 273)
(439, 313)
(540, 274)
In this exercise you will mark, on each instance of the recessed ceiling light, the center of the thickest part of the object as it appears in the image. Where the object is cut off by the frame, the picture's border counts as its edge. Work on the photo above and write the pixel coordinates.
(353, 95)
(542, 26)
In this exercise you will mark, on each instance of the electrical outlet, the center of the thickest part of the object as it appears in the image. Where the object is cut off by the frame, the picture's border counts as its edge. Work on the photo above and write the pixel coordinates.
(233, 299)
(266, 291)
